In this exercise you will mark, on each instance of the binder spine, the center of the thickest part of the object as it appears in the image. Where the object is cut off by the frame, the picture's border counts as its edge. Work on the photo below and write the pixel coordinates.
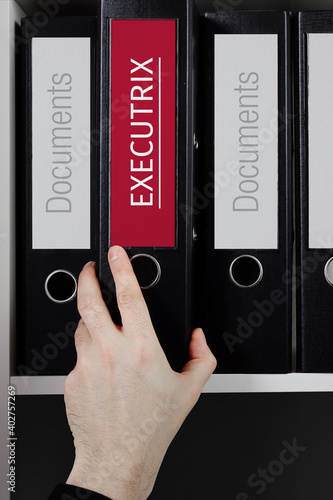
(246, 286)
(57, 186)
(147, 154)
(314, 240)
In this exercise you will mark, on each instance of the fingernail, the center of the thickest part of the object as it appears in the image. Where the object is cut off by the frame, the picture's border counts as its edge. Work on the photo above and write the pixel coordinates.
(113, 254)
(90, 264)
(203, 335)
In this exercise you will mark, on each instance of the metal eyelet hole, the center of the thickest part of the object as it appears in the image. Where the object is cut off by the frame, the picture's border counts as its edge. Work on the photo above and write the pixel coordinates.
(246, 271)
(61, 286)
(329, 272)
(147, 270)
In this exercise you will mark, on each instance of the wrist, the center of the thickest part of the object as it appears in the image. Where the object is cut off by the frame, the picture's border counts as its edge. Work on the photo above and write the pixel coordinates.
(103, 482)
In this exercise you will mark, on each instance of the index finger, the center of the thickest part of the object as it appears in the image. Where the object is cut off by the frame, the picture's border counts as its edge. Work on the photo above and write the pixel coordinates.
(131, 303)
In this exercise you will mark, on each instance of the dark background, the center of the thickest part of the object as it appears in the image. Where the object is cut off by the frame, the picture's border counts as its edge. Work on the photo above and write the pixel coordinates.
(225, 439)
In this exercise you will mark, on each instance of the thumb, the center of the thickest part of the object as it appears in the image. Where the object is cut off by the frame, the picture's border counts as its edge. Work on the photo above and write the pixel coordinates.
(202, 362)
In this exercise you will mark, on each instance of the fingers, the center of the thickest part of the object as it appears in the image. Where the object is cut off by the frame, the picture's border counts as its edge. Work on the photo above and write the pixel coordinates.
(91, 305)
(132, 306)
(202, 362)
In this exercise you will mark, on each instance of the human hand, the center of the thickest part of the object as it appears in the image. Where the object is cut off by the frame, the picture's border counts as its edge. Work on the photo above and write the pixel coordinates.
(124, 403)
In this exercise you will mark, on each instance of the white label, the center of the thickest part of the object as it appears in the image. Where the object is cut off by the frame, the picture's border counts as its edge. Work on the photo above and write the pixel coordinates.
(320, 59)
(246, 142)
(61, 143)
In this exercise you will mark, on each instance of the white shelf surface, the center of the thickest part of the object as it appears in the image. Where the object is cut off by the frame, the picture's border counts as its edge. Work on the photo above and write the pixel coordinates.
(290, 382)
(235, 383)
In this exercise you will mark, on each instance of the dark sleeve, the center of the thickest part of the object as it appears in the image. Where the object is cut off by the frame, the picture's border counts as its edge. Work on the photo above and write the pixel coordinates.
(69, 492)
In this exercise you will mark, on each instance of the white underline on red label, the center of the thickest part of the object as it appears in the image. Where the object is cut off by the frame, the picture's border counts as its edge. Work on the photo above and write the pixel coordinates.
(159, 136)
(141, 79)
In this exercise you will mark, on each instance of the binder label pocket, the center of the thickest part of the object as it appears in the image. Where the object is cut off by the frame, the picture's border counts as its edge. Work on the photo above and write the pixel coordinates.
(246, 141)
(143, 133)
(61, 143)
(320, 113)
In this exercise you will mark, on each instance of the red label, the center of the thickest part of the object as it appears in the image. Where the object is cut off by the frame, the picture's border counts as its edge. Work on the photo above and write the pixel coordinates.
(143, 133)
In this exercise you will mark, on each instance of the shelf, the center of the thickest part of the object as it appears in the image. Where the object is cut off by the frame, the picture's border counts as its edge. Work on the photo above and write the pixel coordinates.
(90, 6)
(236, 383)
(290, 382)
